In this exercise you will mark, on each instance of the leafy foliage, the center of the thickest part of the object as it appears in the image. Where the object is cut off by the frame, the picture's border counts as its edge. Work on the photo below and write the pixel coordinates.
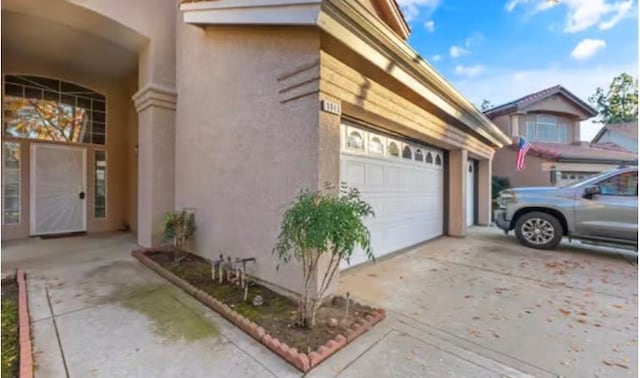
(45, 119)
(498, 184)
(178, 228)
(485, 105)
(319, 223)
(619, 103)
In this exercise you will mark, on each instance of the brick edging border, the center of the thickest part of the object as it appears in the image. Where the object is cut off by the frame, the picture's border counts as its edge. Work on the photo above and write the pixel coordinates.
(24, 330)
(302, 361)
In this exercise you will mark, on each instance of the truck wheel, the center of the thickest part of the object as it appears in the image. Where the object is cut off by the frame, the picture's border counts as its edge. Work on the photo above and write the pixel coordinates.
(539, 230)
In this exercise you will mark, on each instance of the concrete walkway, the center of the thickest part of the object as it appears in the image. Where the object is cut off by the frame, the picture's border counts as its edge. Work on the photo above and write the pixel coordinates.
(96, 312)
(476, 307)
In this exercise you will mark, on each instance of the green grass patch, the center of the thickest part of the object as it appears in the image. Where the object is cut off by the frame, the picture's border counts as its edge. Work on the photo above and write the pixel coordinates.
(10, 334)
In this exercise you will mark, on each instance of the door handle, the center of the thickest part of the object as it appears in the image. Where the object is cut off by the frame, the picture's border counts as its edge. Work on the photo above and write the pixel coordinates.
(81, 195)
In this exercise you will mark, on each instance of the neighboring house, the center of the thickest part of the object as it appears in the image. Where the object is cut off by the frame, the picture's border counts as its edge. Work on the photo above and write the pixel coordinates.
(622, 136)
(550, 121)
(117, 111)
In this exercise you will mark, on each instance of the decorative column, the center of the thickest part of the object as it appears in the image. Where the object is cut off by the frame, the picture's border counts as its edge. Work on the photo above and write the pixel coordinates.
(484, 192)
(458, 192)
(156, 106)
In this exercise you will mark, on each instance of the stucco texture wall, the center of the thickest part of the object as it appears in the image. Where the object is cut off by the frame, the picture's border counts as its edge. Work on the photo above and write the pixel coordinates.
(119, 103)
(504, 165)
(244, 147)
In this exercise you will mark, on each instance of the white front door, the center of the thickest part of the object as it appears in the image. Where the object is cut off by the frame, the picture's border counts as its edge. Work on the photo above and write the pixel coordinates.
(58, 189)
(471, 193)
(403, 182)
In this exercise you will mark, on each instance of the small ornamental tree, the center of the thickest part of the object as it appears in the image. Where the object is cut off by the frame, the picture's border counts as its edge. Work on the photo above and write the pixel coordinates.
(178, 228)
(319, 223)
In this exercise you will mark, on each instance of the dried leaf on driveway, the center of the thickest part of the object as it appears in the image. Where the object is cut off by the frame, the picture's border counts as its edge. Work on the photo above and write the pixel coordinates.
(565, 312)
(474, 332)
(607, 363)
(621, 365)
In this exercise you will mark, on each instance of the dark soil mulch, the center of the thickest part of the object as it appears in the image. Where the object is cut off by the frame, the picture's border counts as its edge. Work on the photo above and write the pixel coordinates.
(277, 315)
(9, 320)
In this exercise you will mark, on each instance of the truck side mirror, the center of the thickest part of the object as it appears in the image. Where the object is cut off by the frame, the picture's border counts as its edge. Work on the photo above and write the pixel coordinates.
(591, 191)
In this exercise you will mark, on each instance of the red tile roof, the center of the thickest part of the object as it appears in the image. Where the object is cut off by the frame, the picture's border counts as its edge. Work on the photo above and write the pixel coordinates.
(529, 99)
(588, 152)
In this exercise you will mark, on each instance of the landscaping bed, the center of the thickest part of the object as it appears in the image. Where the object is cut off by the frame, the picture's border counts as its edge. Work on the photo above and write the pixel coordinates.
(274, 322)
(10, 334)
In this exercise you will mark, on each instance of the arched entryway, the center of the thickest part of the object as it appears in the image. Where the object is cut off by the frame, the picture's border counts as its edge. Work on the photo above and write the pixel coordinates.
(70, 130)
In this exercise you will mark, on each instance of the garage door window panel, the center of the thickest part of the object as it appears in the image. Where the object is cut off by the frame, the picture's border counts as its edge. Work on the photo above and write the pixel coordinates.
(394, 150)
(407, 153)
(376, 146)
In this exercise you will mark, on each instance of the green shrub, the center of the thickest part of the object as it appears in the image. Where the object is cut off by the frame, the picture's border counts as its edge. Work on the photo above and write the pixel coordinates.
(498, 184)
(178, 228)
(319, 223)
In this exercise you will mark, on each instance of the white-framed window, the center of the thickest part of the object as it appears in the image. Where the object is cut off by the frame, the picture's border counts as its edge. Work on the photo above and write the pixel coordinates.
(11, 183)
(438, 160)
(545, 128)
(419, 156)
(100, 187)
(42, 108)
(563, 135)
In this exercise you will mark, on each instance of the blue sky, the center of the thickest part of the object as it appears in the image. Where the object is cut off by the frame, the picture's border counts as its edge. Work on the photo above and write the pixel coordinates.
(504, 49)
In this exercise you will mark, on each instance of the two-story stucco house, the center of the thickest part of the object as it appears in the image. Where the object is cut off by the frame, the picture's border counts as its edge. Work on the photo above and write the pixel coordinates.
(550, 121)
(116, 111)
(622, 136)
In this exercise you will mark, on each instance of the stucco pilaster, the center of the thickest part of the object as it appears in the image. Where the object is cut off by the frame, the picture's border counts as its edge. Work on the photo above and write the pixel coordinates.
(457, 192)
(156, 106)
(484, 192)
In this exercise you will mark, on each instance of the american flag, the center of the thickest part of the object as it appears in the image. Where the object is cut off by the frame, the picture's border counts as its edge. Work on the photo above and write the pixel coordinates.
(523, 148)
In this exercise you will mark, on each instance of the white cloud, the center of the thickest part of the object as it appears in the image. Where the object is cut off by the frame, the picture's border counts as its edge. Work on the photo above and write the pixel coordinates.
(414, 8)
(430, 26)
(587, 48)
(622, 9)
(512, 4)
(503, 85)
(469, 71)
(457, 51)
(436, 58)
(473, 39)
(582, 14)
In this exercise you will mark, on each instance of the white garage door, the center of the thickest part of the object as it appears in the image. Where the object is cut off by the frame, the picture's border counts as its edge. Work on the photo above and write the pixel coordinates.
(402, 181)
(471, 193)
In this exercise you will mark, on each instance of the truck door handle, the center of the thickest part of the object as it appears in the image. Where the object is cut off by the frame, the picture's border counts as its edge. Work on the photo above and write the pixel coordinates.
(81, 195)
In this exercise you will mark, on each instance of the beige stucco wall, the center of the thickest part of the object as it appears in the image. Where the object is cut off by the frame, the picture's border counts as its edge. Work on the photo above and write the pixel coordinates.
(504, 165)
(119, 103)
(246, 137)
(153, 19)
(504, 124)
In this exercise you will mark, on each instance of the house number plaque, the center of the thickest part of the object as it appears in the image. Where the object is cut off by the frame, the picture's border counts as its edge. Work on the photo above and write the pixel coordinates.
(331, 107)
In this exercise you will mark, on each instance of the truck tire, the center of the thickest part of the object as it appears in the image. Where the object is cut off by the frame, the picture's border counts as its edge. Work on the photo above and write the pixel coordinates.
(538, 230)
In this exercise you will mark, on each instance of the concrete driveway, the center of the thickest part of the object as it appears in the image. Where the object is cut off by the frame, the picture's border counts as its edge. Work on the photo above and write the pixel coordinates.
(476, 307)
(488, 301)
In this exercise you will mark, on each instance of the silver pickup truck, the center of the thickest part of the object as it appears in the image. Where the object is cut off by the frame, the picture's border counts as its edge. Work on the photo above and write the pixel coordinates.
(600, 209)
